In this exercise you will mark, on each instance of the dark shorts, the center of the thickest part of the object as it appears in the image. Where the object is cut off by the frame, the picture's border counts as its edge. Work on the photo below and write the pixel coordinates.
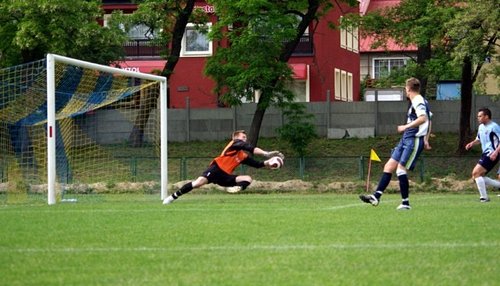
(215, 175)
(407, 151)
(486, 162)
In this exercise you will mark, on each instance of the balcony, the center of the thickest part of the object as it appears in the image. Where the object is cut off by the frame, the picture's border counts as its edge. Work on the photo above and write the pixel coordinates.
(147, 49)
(142, 49)
(305, 46)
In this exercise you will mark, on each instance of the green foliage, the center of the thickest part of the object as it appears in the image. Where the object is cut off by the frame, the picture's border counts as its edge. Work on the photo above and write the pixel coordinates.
(30, 29)
(298, 130)
(455, 29)
(473, 33)
(256, 59)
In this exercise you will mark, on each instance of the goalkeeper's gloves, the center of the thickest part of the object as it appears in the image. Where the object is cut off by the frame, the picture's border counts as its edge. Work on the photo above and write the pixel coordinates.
(274, 154)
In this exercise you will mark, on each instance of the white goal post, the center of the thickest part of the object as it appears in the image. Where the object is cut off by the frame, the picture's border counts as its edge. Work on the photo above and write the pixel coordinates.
(51, 60)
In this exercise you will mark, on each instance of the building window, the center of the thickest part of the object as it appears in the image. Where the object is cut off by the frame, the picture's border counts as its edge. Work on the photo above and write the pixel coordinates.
(382, 67)
(349, 38)
(349, 84)
(343, 85)
(195, 42)
(337, 85)
(300, 89)
(137, 32)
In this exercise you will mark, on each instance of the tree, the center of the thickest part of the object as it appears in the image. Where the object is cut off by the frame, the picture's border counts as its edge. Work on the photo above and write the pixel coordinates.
(31, 29)
(448, 34)
(168, 20)
(472, 37)
(412, 22)
(262, 36)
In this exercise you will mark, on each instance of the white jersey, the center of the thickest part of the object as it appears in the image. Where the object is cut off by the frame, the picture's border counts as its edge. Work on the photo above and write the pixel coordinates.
(419, 106)
(489, 136)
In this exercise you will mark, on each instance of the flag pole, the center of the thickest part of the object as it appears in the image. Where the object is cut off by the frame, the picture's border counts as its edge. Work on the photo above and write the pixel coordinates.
(368, 177)
(373, 156)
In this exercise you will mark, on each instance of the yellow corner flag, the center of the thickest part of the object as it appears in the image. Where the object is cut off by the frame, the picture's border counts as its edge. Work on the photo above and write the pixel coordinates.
(374, 156)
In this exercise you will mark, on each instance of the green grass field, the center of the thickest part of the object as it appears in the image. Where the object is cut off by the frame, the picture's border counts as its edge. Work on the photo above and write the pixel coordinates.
(251, 239)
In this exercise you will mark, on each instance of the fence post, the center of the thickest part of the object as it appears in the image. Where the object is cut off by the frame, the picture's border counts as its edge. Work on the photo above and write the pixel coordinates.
(133, 168)
(422, 168)
(188, 123)
(183, 169)
(243, 169)
(235, 123)
(302, 166)
(361, 167)
(376, 112)
(328, 110)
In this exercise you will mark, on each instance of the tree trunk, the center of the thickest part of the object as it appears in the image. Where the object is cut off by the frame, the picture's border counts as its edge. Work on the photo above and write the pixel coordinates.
(254, 132)
(284, 56)
(136, 137)
(147, 103)
(424, 53)
(465, 105)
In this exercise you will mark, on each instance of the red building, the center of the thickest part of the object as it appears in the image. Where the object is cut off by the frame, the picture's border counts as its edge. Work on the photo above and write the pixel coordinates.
(326, 62)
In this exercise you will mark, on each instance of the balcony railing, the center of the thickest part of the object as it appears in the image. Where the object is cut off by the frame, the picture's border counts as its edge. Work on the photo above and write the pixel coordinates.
(305, 46)
(148, 49)
(142, 48)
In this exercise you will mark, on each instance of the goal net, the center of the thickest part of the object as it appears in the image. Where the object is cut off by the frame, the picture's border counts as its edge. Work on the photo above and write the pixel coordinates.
(72, 127)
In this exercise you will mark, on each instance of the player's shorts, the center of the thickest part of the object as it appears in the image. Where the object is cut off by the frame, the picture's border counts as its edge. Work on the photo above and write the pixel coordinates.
(407, 151)
(215, 175)
(486, 162)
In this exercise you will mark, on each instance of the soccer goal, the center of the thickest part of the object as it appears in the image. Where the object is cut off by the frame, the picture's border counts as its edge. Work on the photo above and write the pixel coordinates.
(69, 127)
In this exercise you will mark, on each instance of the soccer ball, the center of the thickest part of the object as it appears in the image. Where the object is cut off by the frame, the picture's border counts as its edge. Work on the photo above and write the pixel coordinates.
(276, 162)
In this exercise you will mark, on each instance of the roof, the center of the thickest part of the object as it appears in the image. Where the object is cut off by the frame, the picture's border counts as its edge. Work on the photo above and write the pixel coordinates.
(365, 43)
(391, 46)
(372, 5)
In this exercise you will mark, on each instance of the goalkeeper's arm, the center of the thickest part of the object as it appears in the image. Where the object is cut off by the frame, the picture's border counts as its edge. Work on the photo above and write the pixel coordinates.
(268, 154)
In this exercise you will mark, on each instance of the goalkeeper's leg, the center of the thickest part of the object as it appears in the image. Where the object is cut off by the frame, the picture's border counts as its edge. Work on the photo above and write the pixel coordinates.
(186, 189)
(240, 183)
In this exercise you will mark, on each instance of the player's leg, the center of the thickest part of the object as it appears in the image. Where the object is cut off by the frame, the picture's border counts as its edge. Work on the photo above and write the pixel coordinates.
(478, 175)
(205, 178)
(411, 151)
(498, 179)
(385, 179)
(186, 188)
(241, 182)
(491, 182)
(389, 167)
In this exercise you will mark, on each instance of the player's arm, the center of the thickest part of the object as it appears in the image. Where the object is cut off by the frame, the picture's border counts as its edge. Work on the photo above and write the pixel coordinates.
(241, 145)
(253, 163)
(267, 154)
(472, 143)
(414, 124)
(427, 136)
(494, 154)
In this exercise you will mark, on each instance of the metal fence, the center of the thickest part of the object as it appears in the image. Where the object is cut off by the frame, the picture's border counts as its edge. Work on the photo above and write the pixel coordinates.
(336, 168)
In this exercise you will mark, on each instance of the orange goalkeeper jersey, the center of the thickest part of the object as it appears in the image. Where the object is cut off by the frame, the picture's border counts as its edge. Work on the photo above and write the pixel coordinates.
(233, 155)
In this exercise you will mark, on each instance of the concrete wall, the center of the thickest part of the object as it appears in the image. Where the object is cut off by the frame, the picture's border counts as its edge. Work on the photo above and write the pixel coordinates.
(334, 120)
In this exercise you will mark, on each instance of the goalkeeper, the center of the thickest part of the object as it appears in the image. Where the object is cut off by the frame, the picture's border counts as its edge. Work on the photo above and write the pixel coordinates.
(220, 171)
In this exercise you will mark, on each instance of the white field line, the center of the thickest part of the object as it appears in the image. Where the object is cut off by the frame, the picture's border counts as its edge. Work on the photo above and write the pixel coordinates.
(171, 209)
(256, 247)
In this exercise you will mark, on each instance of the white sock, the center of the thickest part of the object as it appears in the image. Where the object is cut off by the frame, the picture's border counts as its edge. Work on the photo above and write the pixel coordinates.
(490, 182)
(481, 186)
